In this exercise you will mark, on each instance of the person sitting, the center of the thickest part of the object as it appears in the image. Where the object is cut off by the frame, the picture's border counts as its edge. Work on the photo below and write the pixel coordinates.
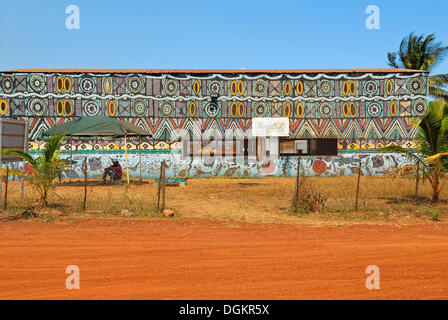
(114, 172)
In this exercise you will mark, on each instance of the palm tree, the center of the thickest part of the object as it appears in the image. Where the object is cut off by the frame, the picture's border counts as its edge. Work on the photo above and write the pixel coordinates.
(422, 53)
(432, 146)
(45, 168)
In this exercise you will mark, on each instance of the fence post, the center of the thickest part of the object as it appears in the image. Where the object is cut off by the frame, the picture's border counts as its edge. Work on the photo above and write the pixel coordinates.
(22, 183)
(159, 186)
(296, 196)
(6, 187)
(357, 186)
(417, 178)
(163, 186)
(85, 185)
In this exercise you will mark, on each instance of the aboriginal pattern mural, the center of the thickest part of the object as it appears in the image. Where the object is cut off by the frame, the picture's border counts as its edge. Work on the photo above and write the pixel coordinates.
(363, 110)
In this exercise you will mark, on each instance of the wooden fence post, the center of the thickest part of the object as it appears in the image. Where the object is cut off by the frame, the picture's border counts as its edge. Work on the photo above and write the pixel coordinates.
(6, 187)
(163, 186)
(159, 186)
(417, 178)
(357, 186)
(296, 196)
(85, 185)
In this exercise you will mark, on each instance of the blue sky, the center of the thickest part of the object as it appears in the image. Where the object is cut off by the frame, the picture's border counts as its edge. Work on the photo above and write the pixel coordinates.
(212, 34)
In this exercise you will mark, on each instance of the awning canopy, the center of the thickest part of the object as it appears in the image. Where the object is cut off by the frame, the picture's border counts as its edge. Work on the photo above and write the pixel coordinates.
(97, 127)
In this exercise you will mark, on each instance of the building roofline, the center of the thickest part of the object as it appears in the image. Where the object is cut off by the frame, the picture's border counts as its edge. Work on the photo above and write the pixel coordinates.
(209, 71)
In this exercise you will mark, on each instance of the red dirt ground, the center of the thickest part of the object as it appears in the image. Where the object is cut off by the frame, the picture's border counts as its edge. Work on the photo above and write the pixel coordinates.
(183, 258)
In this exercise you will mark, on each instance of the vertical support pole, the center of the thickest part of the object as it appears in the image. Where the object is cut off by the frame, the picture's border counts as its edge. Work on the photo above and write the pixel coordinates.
(163, 185)
(6, 187)
(126, 156)
(140, 156)
(1, 182)
(296, 196)
(85, 185)
(357, 186)
(417, 178)
(159, 187)
(22, 182)
(71, 159)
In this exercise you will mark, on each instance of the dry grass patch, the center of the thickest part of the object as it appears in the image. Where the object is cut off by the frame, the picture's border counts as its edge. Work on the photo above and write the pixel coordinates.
(265, 200)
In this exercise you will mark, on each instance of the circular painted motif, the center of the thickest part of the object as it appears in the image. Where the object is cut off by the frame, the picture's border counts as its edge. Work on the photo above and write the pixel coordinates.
(416, 85)
(3, 106)
(87, 85)
(268, 167)
(139, 107)
(135, 84)
(326, 109)
(37, 107)
(319, 166)
(260, 88)
(260, 109)
(37, 82)
(374, 109)
(325, 87)
(214, 87)
(371, 87)
(420, 107)
(212, 109)
(170, 87)
(7, 84)
(91, 108)
(166, 108)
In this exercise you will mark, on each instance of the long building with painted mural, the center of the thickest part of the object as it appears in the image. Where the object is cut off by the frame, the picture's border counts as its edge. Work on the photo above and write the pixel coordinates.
(364, 108)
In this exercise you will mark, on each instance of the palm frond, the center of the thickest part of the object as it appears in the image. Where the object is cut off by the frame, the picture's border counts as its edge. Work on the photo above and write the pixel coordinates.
(438, 93)
(21, 154)
(392, 59)
(52, 147)
(418, 52)
(397, 149)
(435, 157)
(438, 79)
(402, 171)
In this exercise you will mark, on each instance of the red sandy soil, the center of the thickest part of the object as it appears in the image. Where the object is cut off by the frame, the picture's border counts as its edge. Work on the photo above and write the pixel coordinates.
(183, 258)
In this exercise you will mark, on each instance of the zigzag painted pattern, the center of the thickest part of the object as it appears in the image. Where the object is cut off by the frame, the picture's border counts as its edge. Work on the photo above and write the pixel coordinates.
(364, 111)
